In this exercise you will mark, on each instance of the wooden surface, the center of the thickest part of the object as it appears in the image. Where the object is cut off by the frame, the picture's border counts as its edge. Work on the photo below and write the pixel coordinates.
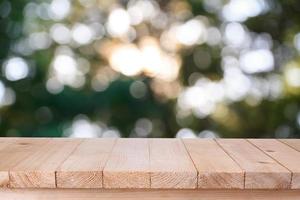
(261, 171)
(150, 163)
(284, 155)
(128, 165)
(170, 165)
(215, 168)
(143, 194)
(15, 153)
(295, 143)
(84, 167)
(38, 169)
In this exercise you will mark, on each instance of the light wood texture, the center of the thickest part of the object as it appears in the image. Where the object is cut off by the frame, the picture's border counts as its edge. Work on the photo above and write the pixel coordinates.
(5, 142)
(128, 165)
(294, 143)
(38, 169)
(170, 165)
(261, 171)
(4, 178)
(149, 163)
(285, 155)
(14, 152)
(215, 168)
(84, 167)
(100, 194)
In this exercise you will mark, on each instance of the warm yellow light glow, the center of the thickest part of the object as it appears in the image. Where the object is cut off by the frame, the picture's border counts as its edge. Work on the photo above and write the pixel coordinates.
(157, 63)
(126, 59)
(149, 58)
(292, 74)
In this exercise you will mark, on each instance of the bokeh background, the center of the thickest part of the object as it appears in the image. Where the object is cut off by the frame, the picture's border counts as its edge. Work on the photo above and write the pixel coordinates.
(144, 68)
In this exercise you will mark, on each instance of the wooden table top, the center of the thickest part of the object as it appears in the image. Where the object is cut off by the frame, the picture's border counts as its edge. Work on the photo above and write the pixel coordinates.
(150, 163)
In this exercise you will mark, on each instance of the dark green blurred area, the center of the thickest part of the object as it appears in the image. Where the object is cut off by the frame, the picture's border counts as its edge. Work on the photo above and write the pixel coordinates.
(110, 103)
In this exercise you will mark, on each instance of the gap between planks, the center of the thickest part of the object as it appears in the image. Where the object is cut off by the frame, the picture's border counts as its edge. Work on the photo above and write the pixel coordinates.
(215, 168)
(284, 155)
(55, 173)
(84, 166)
(244, 172)
(171, 166)
(197, 184)
(253, 143)
(261, 171)
(149, 163)
(38, 169)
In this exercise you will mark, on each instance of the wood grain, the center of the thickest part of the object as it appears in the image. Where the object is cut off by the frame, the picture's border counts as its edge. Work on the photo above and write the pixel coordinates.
(14, 152)
(261, 171)
(170, 165)
(285, 155)
(84, 167)
(5, 142)
(149, 163)
(4, 178)
(215, 168)
(128, 165)
(38, 169)
(294, 143)
(103, 194)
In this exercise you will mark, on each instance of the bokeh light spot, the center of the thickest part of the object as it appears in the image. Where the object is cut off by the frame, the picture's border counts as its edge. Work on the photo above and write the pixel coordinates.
(15, 68)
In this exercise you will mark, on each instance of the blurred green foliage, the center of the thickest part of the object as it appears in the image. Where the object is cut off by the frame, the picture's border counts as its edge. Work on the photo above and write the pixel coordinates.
(35, 111)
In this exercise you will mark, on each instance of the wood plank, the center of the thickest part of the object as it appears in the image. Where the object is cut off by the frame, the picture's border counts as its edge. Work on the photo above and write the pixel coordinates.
(4, 178)
(38, 170)
(102, 194)
(5, 142)
(14, 152)
(170, 165)
(285, 155)
(261, 171)
(128, 165)
(84, 167)
(294, 143)
(215, 168)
